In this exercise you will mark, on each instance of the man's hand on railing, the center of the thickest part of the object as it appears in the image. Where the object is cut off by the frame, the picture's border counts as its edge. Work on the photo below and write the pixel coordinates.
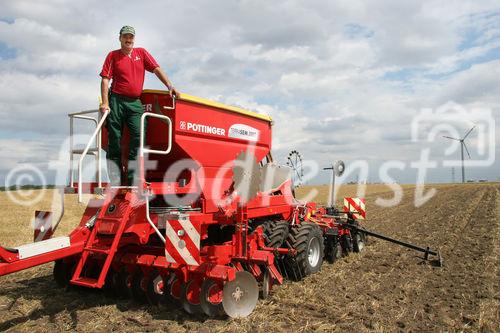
(103, 107)
(174, 93)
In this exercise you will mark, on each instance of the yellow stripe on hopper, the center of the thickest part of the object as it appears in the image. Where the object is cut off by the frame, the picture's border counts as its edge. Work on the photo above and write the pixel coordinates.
(204, 101)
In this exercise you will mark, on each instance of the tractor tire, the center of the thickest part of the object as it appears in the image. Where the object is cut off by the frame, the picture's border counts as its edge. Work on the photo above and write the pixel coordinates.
(275, 235)
(307, 240)
(275, 232)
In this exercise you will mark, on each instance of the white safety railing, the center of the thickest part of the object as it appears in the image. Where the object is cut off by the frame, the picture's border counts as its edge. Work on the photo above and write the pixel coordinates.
(143, 150)
(95, 150)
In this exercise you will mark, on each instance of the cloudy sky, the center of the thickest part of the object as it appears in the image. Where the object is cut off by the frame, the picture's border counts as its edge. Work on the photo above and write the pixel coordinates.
(342, 79)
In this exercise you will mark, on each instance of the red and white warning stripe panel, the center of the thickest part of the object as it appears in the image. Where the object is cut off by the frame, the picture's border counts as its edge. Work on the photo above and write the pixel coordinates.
(182, 244)
(356, 206)
(42, 225)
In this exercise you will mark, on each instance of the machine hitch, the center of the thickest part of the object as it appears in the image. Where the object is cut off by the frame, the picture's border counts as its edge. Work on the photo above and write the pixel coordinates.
(426, 250)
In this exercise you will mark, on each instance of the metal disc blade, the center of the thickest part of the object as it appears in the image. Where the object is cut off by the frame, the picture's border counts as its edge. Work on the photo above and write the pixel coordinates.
(240, 296)
(266, 284)
(171, 290)
(188, 305)
(211, 298)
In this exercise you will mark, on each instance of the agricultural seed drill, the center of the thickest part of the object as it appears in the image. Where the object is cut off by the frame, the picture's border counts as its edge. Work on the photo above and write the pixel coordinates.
(212, 223)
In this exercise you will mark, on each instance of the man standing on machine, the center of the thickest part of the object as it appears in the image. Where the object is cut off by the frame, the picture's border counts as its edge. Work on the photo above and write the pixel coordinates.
(125, 68)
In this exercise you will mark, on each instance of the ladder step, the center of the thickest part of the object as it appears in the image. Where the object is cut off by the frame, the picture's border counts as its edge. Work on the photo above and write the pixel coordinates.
(87, 188)
(85, 282)
(108, 250)
(80, 151)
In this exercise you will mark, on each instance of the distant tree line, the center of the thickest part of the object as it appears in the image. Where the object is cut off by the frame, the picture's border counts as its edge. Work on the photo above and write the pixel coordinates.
(26, 187)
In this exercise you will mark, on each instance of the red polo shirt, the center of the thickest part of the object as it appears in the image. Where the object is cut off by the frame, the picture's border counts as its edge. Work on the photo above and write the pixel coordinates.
(127, 71)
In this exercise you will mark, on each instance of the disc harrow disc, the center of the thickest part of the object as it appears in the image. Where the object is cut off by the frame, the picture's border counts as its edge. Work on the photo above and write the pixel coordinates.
(171, 290)
(139, 286)
(122, 283)
(240, 296)
(190, 296)
(266, 284)
(211, 298)
(154, 289)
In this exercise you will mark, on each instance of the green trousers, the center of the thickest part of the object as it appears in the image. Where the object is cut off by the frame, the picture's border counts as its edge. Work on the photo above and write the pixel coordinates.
(124, 111)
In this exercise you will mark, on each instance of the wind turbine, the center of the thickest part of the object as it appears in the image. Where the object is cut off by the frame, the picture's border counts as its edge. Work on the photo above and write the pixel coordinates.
(462, 146)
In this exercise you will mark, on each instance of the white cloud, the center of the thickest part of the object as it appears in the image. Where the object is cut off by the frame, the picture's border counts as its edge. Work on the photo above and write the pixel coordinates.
(318, 68)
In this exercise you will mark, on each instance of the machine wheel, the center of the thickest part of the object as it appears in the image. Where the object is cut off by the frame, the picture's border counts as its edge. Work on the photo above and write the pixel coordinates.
(346, 244)
(172, 290)
(358, 242)
(211, 298)
(190, 296)
(122, 283)
(240, 296)
(307, 239)
(139, 286)
(275, 233)
(333, 250)
(154, 288)
(62, 272)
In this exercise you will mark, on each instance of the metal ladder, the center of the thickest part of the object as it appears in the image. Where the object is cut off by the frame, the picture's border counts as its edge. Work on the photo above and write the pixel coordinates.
(92, 249)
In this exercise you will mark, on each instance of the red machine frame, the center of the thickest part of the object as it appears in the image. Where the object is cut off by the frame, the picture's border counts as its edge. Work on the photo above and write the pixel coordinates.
(124, 236)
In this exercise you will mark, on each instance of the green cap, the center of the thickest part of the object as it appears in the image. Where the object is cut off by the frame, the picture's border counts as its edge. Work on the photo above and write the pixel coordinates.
(127, 30)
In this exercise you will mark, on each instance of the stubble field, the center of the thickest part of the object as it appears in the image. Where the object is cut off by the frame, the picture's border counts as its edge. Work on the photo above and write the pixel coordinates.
(386, 288)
